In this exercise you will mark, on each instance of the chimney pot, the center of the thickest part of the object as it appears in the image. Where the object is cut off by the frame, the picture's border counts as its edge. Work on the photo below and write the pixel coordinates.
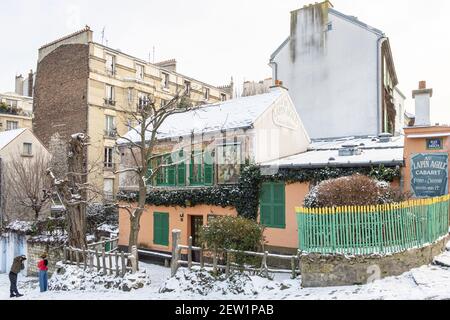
(422, 85)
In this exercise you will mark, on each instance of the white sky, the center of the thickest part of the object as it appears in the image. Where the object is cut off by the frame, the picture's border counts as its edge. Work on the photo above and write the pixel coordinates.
(214, 40)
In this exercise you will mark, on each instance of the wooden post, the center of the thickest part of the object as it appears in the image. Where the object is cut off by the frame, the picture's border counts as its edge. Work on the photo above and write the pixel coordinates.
(202, 259)
(124, 269)
(294, 273)
(91, 260)
(116, 255)
(134, 259)
(77, 256)
(190, 254)
(98, 260)
(65, 255)
(215, 262)
(84, 259)
(175, 241)
(105, 272)
(227, 269)
(264, 268)
(110, 263)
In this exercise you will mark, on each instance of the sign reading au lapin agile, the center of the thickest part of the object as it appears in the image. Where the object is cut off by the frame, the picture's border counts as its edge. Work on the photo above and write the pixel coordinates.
(429, 174)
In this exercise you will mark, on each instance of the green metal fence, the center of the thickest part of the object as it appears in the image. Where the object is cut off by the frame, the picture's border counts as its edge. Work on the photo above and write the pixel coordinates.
(365, 230)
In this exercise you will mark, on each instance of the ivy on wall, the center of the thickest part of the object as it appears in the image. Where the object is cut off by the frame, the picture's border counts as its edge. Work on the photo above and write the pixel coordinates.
(244, 196)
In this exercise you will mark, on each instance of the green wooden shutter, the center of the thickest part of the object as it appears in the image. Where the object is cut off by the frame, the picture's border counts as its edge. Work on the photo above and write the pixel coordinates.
(170, 172)
(208, 168)
(181, 170)
(160, 174)
(161, 228)
(272, 205)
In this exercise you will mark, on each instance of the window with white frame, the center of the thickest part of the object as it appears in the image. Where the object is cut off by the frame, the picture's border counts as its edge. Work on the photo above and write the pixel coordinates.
(163, 102)
(143, 99)
(11, 103)
(110, 94)
(140, 71)
(109, 158)
(110, 64)
(206, 94)
(110, 125)
(223, 97)
(27, 149)
(130, 95)
(165, 80)
(12, 125)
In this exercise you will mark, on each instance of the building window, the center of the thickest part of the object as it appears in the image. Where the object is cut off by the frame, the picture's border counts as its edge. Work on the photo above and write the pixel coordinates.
(12, 125)
(223, 97)
(201, 169)
(272, 205)
(11, 103)
(109, 158)
(140, 72)
(110, 125)
(27, 149)
(110, 64)
(206, 94)
(170, 175)
(130, 96)
(187, 86)
(165, 80)
(108, 189)
(163, 103)
(329, 26)
(143, 100)
(161, 228)
(110, 95)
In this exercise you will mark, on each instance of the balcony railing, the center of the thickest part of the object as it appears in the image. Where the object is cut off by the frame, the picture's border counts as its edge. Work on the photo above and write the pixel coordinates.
(109, 102)
(110, 133)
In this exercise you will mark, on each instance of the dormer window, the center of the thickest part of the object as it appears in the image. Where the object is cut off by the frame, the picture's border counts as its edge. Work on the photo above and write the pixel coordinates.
(223, 97)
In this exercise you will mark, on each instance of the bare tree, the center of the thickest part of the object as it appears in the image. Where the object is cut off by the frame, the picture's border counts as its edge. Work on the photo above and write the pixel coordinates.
(73, 188)
(27, 182)
(150, 118)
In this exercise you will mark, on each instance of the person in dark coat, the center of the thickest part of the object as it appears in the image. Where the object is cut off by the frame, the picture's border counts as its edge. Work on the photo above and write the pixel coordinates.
(16, 267)
(43, 269)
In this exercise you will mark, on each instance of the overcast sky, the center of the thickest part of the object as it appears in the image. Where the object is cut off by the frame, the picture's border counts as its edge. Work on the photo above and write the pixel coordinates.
(214, 40)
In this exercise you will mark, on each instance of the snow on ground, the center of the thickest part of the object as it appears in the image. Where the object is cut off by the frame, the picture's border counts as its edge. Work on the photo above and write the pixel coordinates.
(428, 282)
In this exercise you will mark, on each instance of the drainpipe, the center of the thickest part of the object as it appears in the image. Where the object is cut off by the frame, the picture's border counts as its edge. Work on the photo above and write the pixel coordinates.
(379, 91)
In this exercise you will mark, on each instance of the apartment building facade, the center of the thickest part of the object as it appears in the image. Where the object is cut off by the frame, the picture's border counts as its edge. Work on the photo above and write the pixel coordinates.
(83, 86)
(16, 111)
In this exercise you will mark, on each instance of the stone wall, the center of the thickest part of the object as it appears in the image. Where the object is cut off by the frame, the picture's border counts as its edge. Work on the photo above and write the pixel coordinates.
(35, 249)
(336, 270)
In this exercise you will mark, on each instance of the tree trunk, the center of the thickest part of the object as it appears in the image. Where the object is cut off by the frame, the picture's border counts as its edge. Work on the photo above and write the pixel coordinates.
(135, 218)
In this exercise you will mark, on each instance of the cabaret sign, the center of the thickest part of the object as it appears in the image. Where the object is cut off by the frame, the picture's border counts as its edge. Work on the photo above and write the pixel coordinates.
(429, 174)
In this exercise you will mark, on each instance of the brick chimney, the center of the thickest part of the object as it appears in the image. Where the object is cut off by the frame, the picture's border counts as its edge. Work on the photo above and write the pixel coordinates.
(19, 85)
(30, 83)
(422, 101)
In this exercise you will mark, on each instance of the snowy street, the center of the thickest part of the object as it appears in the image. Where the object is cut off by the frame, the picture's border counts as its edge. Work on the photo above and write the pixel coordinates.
(425, 283)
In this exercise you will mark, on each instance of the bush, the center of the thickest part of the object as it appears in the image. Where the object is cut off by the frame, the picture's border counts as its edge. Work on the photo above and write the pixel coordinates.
(356, 190)
(98, 214)
(236, 233)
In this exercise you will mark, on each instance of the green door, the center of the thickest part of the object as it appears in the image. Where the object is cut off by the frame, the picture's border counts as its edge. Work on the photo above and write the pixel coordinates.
(161, 228)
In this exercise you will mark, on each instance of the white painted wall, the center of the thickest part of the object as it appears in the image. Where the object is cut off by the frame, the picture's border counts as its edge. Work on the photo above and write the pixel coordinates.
(400, 108)
(12, 245)
(334, 88)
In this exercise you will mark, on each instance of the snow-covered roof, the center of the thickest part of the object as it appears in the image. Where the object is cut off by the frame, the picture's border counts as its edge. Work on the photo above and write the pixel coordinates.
(7, 136)
(326, 154)
(227, 115)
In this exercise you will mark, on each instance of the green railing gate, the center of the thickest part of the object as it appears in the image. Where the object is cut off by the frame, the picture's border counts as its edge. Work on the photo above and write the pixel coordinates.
(381, 229)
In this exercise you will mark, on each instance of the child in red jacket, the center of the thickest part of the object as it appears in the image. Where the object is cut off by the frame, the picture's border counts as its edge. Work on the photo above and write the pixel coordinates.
(43, 269)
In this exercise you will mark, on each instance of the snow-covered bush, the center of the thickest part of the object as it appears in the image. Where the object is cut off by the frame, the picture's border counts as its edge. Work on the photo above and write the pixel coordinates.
(205, 283)
(235, 233)
(356, 190)
(99, 214)
(69, 278)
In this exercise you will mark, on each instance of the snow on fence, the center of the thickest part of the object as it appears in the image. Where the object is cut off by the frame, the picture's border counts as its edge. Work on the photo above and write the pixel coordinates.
(112, 262)
(264, 269)
(381, 229)
(109, 245)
